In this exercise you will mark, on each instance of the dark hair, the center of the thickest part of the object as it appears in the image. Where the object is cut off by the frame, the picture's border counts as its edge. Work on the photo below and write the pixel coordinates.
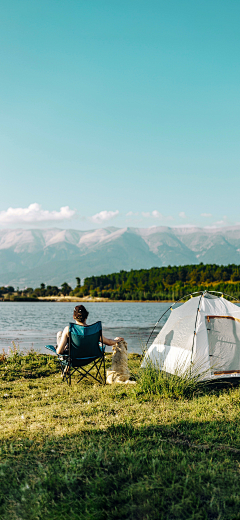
(80, 313)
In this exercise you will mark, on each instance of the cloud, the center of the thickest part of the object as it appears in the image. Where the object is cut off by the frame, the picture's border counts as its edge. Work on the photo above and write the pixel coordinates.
(34, 213)
(182, 214)
(222, 222)
(155, 214)
(104, 215)
(131, 214)
(219, 223)
(207, 215)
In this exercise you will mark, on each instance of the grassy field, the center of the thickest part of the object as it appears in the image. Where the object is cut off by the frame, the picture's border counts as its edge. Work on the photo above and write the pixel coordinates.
(115, 452)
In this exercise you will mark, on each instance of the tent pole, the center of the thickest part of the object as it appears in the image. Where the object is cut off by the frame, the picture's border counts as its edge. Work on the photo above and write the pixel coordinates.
(174, 303)
(183, 298)
(224, 294)
(195, 326)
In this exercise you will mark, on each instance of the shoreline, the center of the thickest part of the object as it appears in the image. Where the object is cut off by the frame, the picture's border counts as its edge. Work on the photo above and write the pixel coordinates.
(86, 299)
(96, 300)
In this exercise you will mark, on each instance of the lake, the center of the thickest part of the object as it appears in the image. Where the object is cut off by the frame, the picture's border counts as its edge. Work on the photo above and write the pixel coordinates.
(35, 324)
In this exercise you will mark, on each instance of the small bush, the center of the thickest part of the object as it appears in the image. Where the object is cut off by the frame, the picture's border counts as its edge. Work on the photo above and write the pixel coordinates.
(183, 384)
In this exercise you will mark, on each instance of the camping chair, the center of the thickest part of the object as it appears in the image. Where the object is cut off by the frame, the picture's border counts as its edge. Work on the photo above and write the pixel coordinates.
(83, 350)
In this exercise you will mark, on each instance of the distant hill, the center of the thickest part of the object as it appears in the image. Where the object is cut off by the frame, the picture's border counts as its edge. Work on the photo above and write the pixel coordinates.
(29, 257)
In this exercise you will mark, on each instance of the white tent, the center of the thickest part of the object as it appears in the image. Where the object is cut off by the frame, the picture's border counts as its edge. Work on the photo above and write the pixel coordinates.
(201, 336)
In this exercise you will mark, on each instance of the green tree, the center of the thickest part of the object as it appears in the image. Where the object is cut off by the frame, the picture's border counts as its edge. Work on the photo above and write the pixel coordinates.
(65, 288)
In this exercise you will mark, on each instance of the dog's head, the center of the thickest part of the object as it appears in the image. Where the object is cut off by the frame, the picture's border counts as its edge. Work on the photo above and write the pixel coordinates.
(120, 345)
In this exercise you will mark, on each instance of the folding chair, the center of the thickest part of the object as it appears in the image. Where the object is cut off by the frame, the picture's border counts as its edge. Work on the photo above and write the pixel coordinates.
(83, 349)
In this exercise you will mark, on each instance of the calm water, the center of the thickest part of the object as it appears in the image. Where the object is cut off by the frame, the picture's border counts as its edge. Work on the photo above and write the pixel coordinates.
(36, 324)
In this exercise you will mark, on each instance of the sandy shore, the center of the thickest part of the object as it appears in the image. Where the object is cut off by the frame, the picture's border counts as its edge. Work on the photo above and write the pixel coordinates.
(90, 299)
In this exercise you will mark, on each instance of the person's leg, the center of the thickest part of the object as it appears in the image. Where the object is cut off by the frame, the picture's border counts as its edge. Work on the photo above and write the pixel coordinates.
(59, 337)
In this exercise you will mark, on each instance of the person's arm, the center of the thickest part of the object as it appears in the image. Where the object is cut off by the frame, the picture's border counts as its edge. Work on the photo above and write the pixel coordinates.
(63, 341)
(111, 342)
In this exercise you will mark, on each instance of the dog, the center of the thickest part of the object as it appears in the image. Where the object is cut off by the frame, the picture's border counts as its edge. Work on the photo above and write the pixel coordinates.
(119, 372)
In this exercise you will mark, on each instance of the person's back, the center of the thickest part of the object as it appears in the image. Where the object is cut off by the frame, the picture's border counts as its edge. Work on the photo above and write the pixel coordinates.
(80, 315)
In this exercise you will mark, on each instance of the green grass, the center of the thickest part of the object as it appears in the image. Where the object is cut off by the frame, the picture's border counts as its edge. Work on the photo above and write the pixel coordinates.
(115, 452)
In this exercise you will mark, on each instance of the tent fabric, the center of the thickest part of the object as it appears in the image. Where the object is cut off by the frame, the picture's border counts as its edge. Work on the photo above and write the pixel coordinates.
(202, 336)
(224, 343)
(178, 330)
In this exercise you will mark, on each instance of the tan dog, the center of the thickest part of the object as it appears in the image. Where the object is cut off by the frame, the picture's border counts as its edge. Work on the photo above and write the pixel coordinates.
(119, 372)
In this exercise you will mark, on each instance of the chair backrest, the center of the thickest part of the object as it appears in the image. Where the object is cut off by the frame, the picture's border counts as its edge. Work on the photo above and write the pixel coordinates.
(84, 341)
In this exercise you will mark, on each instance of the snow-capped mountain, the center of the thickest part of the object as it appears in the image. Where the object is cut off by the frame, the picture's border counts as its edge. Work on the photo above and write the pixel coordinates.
(52, 256)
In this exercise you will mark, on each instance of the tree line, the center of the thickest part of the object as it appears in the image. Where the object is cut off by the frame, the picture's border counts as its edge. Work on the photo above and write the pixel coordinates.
(9, 293)
(163, 283)
(157, 283)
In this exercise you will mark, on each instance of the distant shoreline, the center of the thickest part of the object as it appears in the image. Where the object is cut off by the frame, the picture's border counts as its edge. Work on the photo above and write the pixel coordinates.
(72, 299)
(86, 299)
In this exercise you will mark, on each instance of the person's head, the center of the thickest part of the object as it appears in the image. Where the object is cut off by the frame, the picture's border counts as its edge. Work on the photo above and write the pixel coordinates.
(80, 313)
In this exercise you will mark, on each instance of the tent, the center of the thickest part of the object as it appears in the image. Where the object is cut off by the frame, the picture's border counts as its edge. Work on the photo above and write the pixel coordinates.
(201, 336)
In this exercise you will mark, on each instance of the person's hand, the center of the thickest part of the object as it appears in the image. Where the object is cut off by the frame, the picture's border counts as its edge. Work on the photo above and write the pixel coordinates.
(118, 339)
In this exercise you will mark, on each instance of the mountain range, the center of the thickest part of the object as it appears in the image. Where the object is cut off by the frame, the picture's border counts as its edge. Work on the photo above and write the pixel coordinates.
(53, 256)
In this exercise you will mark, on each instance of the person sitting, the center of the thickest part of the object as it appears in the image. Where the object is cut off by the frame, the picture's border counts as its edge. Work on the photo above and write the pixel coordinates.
(80, 315)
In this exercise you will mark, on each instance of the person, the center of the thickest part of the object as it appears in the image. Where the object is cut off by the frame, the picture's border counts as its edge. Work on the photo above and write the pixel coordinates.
(80, 315)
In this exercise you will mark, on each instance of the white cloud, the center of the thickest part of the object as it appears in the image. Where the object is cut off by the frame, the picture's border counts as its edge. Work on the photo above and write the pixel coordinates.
(104, 215)
(156, 214)
(207, 215)
(182, 214)
(34, 213)
(131, 214)
(220, 223)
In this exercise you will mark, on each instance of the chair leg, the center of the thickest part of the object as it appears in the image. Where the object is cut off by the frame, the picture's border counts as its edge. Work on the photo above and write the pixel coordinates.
(104, 369)
(67, 372)
(68, 375)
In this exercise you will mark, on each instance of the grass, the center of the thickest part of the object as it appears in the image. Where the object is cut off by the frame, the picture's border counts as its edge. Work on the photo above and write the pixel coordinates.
(182, 384)
(115, 452)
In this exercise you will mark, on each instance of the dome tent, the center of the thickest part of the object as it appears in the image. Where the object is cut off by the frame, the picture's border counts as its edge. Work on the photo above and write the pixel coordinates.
(201, 336)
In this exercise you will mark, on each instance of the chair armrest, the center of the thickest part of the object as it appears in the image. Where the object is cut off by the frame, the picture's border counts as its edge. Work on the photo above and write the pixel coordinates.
(52, 348)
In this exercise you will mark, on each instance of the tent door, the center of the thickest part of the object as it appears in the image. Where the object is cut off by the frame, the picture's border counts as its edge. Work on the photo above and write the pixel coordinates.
(224, 344)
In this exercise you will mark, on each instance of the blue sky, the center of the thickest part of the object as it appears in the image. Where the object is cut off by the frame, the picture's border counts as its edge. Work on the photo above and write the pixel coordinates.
(122, 113)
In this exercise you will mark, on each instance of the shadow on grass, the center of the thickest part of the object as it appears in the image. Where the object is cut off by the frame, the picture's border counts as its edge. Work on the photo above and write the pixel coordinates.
(186, 471)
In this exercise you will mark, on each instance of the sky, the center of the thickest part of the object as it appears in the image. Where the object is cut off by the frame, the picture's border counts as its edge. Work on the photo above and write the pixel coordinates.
(119, 113)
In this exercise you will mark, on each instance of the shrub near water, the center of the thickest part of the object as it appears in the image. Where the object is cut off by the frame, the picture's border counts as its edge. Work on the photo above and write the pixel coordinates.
(94, 452)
